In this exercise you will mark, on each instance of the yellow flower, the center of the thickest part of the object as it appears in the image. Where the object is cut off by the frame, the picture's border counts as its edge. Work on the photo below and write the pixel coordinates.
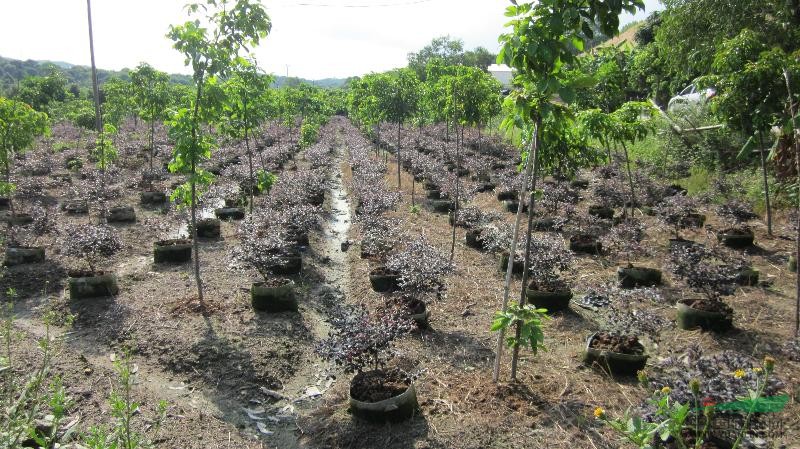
(599, 413)
(757, 370)
(694, 385)
(769, 364)
(666, 390)
(739, 373)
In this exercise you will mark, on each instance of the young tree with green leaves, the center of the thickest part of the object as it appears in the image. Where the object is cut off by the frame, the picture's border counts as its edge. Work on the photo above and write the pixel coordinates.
(20, 124)
(631, 122)
(232, 26)
(545, 37)
(118, 101)
(244, 89)
(402, 105)
(752, 92)
(151, 98)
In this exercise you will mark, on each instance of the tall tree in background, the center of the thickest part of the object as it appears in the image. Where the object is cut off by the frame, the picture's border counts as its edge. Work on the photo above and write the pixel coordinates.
(20, 124)
(403, 99)
(449, 52)
(242, 112)
(151, 97)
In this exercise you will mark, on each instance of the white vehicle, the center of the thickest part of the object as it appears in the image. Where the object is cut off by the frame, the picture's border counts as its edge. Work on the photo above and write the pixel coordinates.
(691, 96)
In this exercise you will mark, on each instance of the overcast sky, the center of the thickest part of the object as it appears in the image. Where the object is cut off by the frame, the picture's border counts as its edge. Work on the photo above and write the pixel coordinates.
(314, 38)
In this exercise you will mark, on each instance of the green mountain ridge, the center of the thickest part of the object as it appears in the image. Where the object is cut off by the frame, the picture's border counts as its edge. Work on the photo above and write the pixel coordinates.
(14, 70)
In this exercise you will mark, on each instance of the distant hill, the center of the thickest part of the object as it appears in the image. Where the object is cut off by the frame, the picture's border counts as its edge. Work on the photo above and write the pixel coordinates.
(13, 70)
(628, 35)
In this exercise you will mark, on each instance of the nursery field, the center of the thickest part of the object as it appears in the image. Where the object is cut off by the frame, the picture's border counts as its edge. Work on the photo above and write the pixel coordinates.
(561, 245)
(236, 369)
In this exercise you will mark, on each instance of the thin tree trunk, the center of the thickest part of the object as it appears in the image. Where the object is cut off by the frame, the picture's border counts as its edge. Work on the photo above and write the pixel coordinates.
(509, 271)
(529, 234)
(98, 118)
(630, 177)
(10, 193)
(413, 187)
(195, 245)
(796, 139)
(252, 185)
(398, 155)
(766, 181)
(152, 143)
(459, 142)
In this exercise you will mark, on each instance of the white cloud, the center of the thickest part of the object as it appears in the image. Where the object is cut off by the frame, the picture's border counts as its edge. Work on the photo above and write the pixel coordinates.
(314, 41)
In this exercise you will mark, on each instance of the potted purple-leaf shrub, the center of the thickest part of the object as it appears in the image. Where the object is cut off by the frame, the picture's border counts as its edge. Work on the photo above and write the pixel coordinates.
(738, 234)
(22, 242)
(626, 239)
(92, 244)
(421, 269)
(266, 250)
(362, 343)
(703, 270)
(548, 258)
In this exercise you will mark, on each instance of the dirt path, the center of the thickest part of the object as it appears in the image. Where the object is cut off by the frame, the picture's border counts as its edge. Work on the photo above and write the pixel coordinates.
(325, 299)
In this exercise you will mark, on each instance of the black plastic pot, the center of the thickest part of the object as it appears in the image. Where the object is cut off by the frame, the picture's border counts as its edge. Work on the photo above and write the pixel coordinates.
(485, 187)
(440, 206)
(5, 203)
(433, 194)
(506, 195)
(747, 277)
(273, 299)
(579, 184)
(395, 409)
(172, 251)
(615, 363)
(208, 228)
(152, 198)
(601, 212)
(229, 213)
(420, 314)
(513, 205)
(675, 189)
(17, 219)
(76, 207)
(519, 265)
(630, 277)
(544, 224)
(586, 244)
(736, 238)
(22, 255)
(691, 318)
(121, 214)
(552, 301)
(383, 280)
(92, 285)
(473, 238)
